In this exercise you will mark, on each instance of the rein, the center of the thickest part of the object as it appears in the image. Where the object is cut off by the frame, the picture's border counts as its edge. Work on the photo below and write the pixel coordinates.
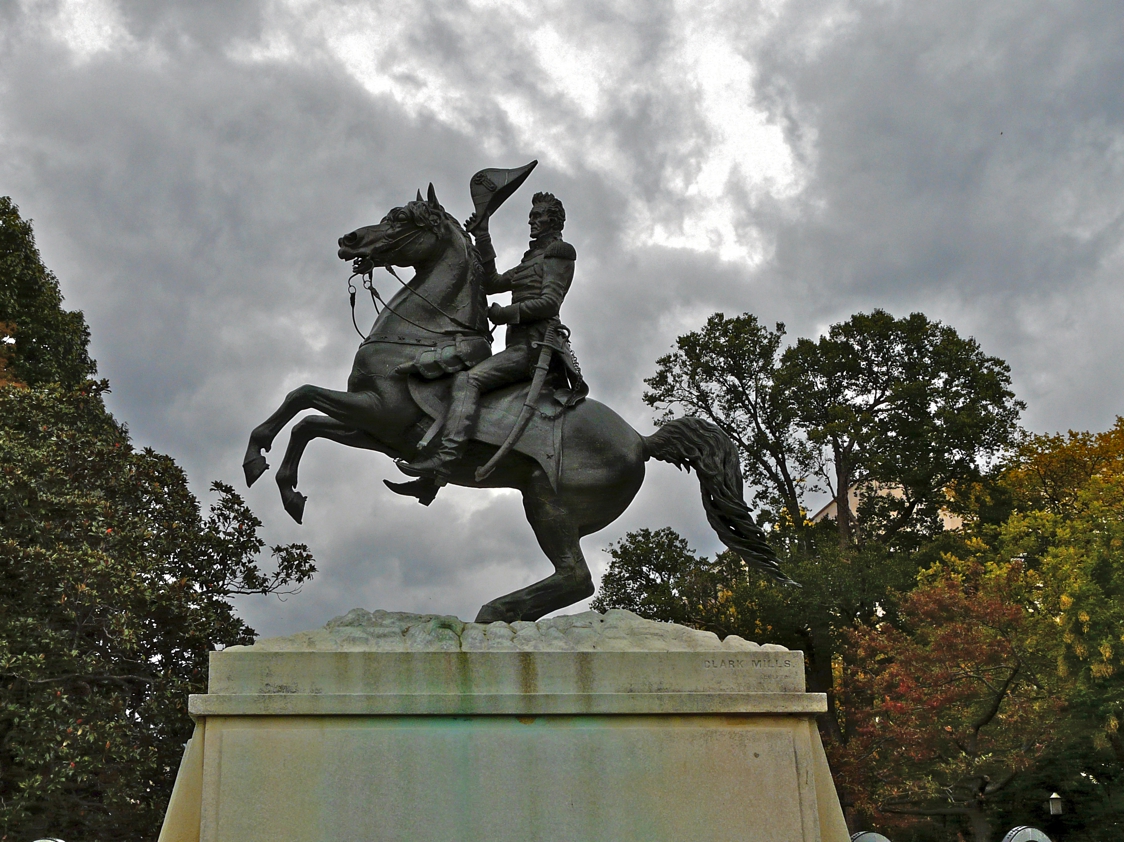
(376, 299)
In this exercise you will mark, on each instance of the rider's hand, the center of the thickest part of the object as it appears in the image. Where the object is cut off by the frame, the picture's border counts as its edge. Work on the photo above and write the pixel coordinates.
(482, 227)
(498, 315)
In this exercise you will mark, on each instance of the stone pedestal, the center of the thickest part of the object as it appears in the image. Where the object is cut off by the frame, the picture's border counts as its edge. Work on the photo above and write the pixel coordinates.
(591, 728)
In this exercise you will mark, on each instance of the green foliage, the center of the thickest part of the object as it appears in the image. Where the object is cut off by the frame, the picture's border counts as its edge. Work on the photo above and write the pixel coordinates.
(40, 343)
(726, 373)
(113, 586)
(113, 589)
(1068, 525)
(657, 575)
(882, 404)
(878, 403)
(970, 672)
(1068, 492)
(906, 404)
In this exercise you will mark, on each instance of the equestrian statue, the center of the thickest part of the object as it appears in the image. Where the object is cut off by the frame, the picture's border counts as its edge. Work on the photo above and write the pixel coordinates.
(426, 389)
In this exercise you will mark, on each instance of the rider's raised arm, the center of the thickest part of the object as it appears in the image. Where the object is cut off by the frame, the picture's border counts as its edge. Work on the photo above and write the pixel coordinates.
(494, 282)
(558, 273)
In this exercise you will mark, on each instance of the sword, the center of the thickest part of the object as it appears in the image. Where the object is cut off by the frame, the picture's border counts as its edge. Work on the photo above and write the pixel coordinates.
(528, 410)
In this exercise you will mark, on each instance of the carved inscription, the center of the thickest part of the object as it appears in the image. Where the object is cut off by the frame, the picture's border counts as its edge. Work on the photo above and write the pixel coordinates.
(762, 662)
(279, 688)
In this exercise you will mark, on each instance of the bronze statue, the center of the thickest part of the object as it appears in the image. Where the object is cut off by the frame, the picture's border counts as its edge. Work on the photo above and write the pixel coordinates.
(538, 286)
(426, 390)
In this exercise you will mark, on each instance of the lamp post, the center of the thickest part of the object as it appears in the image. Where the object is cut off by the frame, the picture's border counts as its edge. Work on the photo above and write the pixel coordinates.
(1055, 803)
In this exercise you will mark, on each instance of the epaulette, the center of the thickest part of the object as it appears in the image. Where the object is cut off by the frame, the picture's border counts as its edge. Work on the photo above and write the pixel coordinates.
(561, 249)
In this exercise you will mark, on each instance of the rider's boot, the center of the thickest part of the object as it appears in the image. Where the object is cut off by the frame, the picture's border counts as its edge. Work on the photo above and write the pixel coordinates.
(425, 489)
(463, 405)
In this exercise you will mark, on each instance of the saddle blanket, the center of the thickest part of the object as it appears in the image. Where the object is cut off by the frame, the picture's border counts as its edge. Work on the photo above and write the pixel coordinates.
(499, 410)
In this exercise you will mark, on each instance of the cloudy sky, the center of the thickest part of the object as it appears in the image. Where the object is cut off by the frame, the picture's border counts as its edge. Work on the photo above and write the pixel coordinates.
(189, 167)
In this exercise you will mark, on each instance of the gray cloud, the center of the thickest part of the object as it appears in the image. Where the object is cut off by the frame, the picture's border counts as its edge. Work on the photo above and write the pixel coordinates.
(969, 162)
(190, 166)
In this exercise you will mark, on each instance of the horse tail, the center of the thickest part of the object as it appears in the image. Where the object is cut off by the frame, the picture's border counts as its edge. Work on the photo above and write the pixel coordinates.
(695, 443)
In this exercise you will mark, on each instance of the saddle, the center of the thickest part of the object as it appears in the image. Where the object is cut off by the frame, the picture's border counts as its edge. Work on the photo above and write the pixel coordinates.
(499, 410)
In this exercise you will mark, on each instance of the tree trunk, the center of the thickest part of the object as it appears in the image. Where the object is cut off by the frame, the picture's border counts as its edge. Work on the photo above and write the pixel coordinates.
(843, 517)
(821, 680)
(778, 473)
(981, 827)
(792, 508)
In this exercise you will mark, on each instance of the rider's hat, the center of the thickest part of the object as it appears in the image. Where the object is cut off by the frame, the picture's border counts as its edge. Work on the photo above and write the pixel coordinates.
(490, 188)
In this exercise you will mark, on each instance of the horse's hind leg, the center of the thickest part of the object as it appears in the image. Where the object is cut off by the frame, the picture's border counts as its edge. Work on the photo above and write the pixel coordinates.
(557, 533)
(352, 408)
(313, 427)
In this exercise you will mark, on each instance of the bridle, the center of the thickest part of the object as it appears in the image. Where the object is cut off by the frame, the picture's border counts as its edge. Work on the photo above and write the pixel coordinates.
(377, 300)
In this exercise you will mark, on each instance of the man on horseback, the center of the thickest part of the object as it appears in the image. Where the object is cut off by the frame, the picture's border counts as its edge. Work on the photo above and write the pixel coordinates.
(538, 286)
(393, 388)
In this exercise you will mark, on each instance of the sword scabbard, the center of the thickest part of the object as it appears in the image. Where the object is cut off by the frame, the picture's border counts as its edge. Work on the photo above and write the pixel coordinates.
(526, 413)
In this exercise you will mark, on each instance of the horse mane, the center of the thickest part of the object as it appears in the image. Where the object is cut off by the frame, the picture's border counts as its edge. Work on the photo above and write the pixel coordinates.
(424, 215)
(474, 259)
(473, 253)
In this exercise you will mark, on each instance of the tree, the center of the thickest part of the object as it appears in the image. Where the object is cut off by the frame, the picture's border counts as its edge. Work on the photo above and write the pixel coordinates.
(1068, 525)
(657, 575)
(970, 673)
(726, 373)
(40, 343)
(878, 403)
(1005, 660)
(900, 403)
(1051, 472)
(951, 701)
(113, 588)
(904, 404)
(1067, 496)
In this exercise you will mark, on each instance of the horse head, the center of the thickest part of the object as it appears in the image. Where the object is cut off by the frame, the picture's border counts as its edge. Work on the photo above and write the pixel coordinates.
(446, 294)
(413, 235)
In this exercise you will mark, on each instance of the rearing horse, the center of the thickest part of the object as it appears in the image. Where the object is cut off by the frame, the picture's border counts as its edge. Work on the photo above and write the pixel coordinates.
(442, 311)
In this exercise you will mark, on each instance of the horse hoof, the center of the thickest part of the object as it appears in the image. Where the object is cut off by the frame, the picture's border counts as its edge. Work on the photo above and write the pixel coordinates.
(254, 467)
(294, 503)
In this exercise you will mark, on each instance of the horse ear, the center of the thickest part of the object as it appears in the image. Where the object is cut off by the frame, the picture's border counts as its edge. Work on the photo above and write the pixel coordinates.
(420, 199)
(433, 197)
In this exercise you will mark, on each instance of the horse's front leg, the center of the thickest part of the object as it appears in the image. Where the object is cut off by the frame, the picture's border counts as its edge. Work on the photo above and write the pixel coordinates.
(356, 409)
(316, 426)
